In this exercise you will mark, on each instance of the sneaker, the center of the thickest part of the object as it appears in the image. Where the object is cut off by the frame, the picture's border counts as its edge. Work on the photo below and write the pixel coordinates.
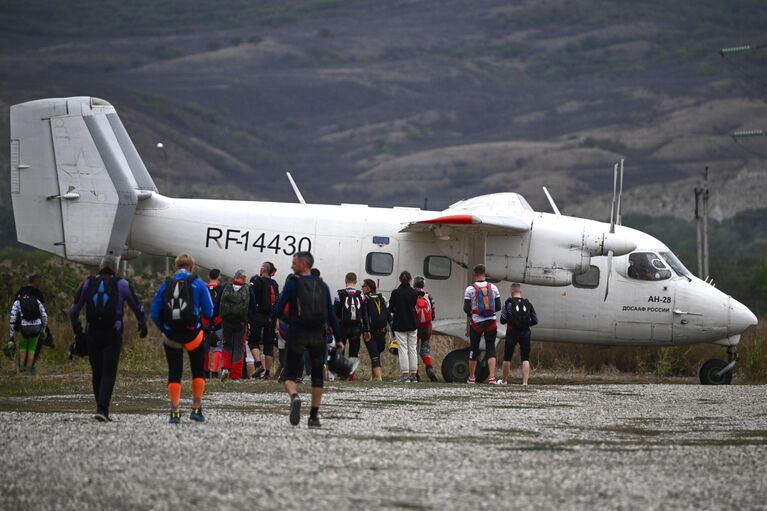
(260, 370)
(377, 379)
(352, 377)
(491, 380)
(175, 417)
(225, 374)
(265, 377)
(295, 410)
(501, 382)
(471, 380)
(314, 422)
(404, 379)
(197, 415)
(418, 377)
(102, 416)
(214, 375)
(331, 376)
(430, 373)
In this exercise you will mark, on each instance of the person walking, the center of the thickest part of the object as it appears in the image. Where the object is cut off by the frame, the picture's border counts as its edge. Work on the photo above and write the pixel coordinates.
(34, 282)
(29, 319)
(378, 319)
(310, 310)
(351, 311)
(235, 305)
(481, 301)
(104, 296)
(405, 326)
(519, 314)
(426, 313)
(263, 325)
(181, 326)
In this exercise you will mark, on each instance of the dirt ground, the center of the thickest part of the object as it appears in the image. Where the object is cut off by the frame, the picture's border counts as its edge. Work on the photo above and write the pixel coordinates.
(388, 446)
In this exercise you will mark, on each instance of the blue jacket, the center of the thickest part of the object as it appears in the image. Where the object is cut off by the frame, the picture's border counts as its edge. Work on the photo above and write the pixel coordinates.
(289, 296)
(203, 305)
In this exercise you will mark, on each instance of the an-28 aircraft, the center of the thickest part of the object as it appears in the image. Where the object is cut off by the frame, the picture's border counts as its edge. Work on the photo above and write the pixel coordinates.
(80, 190)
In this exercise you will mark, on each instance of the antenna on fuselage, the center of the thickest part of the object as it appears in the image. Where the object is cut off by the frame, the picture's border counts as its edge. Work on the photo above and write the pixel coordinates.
(551, 201)
(615, 216)
(295, 189)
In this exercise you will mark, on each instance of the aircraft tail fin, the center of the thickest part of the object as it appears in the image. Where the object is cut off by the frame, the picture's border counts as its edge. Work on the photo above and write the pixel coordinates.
(76, 177)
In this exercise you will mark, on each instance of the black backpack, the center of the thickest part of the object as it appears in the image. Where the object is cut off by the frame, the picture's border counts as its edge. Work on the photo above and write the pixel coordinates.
(311, 307)
(178, 310)
(351, 307)
(267, 292)
(378, 312)
(518, 310)
(101, 303)
(30, 307)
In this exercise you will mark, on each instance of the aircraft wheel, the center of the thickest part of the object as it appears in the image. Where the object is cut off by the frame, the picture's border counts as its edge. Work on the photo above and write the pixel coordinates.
(708, 373)
(455, 366)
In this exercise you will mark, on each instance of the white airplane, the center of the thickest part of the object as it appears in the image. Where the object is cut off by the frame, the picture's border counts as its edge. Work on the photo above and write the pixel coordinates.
(80, 191)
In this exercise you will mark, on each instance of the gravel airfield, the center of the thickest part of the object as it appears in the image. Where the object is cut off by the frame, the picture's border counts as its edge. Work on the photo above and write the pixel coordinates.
(394, 446)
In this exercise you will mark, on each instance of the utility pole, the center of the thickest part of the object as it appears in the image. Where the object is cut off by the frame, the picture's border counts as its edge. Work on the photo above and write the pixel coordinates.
(701, 217)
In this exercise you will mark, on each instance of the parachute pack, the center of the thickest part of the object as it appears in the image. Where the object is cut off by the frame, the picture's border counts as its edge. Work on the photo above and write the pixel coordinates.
(179, 311)
(101, 303)
(235, 304)
(485, 300)
(423, 311)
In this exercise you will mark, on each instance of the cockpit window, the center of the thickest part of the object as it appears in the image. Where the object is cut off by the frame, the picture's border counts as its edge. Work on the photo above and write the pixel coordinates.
(675, 264)
(647, 266)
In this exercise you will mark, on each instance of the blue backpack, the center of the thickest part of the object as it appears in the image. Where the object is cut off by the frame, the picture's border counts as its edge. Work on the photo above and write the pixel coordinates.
(485, 301)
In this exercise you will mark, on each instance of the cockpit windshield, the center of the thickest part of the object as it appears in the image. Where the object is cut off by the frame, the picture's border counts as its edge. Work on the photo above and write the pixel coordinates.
(647, 266)
(675, 264)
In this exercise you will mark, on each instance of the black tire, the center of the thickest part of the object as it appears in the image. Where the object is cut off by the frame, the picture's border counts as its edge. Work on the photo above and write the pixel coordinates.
(455, 367)
(708, 373)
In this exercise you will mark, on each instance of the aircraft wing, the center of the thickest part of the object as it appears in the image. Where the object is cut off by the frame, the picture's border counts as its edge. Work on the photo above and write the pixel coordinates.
(470, 221)
(499, 213)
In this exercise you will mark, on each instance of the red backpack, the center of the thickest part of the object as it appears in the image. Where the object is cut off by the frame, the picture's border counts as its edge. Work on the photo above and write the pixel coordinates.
(423, 311)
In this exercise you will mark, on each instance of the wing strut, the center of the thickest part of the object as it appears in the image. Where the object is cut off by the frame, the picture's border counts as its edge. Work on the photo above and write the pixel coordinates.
(295, 189)
(551, 201)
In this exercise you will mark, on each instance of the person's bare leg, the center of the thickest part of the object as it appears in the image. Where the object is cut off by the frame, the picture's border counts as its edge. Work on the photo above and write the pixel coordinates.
(491, 366)
(525, 371)
(316, 396)
(251, 367)
(506, 371)
(268, 360)
(290, 387)
(376, 372)
(472, 368)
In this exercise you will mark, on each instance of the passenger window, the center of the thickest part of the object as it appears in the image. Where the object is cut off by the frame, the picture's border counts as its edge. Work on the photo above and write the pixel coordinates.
(647, 266)
(588, 280)
(437, 267)
(379, 263)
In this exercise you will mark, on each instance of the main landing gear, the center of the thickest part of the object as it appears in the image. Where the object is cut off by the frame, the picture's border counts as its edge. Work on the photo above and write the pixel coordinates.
(717, 371)
(455, 367)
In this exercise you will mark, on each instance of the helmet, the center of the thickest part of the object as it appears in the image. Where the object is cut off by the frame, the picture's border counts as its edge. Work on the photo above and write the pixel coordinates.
(79, 348)
(10, 348)
(338, 364)
(393, 347)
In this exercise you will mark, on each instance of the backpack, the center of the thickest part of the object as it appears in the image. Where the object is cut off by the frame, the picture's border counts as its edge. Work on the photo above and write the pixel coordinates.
(377, 311)
(351, 305)
(311, 308)
(235, 304)
(266, 296)
(485, 300)
(423, 311)
(214, 292)
(101, 303)
(518, 311)
(30, 308)
(178, 310)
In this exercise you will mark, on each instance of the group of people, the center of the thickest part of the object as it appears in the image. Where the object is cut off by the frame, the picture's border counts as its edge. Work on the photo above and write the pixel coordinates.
(229, 331)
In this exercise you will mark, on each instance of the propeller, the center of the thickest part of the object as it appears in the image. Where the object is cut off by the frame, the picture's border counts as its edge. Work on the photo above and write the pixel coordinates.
(615, 217)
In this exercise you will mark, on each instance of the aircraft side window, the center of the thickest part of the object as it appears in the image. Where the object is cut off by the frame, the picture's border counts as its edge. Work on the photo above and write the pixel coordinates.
(587, 280)
(647, 266)
(437, 267)
(379, 263)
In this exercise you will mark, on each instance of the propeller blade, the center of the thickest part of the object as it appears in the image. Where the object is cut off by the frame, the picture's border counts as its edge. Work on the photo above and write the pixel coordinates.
(609, 271)
(618, 209)
(615, 196)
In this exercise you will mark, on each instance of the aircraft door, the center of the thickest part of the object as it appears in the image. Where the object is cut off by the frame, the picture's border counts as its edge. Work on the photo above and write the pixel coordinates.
(380, 262)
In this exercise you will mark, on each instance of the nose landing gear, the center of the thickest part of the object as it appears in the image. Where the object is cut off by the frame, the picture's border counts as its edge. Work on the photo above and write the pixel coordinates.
(717, 371)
